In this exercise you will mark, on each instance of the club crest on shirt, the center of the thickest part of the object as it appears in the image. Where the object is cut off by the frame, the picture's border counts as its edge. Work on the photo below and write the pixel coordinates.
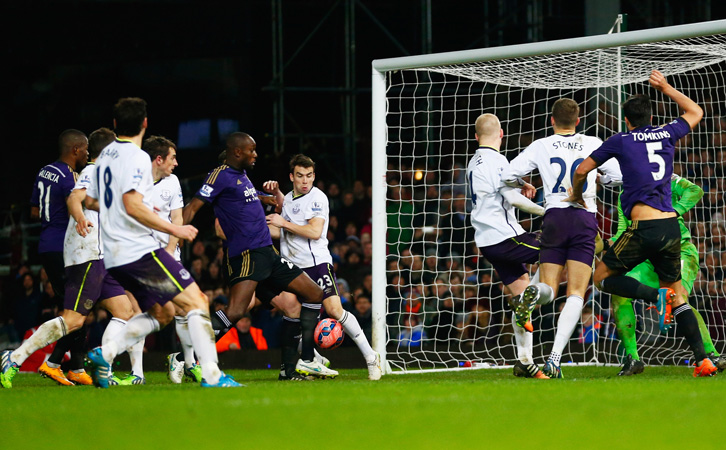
(166, 195)
(206, 190)
(296, 208)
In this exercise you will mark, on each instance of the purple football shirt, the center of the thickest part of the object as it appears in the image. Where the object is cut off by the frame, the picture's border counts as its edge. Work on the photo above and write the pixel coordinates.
(238, 208)
(52, 185)
(645, 155)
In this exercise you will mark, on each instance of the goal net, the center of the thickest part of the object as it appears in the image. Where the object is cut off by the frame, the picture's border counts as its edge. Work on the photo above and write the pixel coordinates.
(443, 305)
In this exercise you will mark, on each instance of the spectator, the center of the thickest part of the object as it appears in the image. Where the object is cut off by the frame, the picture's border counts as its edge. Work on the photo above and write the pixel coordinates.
(362, 312)
(242, 336)
(412, 334)
(27, 305)
(211, 278)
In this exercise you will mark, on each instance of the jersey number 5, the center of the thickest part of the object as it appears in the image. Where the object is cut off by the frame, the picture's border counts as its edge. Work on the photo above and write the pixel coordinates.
(651, 147)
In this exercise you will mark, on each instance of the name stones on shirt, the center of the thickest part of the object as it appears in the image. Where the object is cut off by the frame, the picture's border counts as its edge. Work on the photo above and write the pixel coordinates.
(567, 145)
(50, 176)
(652, 136)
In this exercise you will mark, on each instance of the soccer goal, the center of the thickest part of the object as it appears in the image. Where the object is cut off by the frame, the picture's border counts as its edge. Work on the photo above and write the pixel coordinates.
(437, 305)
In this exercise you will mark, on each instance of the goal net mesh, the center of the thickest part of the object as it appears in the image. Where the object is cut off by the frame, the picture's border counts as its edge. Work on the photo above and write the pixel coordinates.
(445, 304)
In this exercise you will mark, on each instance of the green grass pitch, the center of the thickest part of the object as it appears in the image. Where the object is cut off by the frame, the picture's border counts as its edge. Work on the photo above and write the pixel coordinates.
(591, 408)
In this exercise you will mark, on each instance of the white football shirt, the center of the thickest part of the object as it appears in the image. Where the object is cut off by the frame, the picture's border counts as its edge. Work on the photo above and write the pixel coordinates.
(492, 216)
(122, 167)
(302, 251)
(556, 157)
(167, 196)
(78, 249)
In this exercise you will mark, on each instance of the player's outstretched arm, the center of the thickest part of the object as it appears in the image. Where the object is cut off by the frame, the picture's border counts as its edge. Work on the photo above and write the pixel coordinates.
(692, 113)
(133, 202)
(191, 208)
(688, 193)
(578, 181)
(521, 202)
(312, 230)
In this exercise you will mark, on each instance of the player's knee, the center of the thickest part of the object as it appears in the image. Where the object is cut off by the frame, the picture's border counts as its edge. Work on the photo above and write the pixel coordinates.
(333, 309)
(73, 320)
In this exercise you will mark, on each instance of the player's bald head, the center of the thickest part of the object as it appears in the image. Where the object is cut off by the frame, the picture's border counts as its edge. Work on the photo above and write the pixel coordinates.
(238, 139)
(487, 126)
(70, 139)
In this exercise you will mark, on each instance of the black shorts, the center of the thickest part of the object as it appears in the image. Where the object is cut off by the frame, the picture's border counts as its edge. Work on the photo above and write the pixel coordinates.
(656, 240)
(272, 272)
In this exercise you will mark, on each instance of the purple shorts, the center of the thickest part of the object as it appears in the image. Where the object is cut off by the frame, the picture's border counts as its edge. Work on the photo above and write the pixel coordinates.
(568, 234)
(87, 284)
(510, 256)
(325, 277)
(155, 278)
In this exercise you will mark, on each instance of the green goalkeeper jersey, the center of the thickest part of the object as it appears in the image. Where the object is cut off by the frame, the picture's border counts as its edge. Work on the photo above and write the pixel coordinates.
(685, 196)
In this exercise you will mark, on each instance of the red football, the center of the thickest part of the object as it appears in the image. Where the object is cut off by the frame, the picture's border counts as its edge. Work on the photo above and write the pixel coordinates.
(329, 333)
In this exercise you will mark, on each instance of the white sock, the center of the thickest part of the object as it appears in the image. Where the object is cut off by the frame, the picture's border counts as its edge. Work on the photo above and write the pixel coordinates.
(114, 326)
(182, 331)
(136, 355)
(202, 334)
(46, 334)
(567, 322)
(352, 328)
(135, 330)
(546, 294)
(524, 343)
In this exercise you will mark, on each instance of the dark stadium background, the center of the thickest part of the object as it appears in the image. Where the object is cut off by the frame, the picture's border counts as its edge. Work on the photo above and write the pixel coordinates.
(67, 62)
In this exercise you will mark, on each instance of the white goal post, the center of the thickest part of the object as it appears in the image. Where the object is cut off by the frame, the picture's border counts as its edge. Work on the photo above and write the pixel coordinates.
(436, 303)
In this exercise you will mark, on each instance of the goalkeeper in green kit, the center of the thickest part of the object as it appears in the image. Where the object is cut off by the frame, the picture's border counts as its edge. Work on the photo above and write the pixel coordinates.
(685, 197)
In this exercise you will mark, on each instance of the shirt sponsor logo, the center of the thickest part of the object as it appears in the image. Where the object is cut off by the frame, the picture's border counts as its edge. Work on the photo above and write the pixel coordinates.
(250, 194)
(206, 190)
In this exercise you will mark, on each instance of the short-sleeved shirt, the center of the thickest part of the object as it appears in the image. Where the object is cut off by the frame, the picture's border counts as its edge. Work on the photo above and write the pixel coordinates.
(492, 216)
(556, 157)
(299, 210)
(237, 206)
(122, 167)
(52, 185)
(80, 249)
(645, 155)
(167, 196)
